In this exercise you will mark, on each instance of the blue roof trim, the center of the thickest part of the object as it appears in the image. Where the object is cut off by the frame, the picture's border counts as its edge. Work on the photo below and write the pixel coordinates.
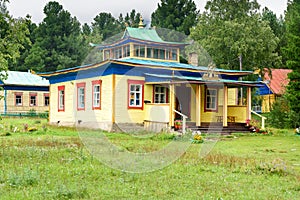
(161, 78)
(27, 88)
(174, 64)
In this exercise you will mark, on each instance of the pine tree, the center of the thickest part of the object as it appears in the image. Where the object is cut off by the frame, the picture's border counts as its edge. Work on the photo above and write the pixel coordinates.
(179, 15)
(292, 51)
(59, 42)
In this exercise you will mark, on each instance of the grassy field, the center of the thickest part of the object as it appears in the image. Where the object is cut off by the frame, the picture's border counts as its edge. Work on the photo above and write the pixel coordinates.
(53, 163)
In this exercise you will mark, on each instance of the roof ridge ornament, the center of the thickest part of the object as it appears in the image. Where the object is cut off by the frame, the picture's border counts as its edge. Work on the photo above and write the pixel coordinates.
(211, 74)
(141, 24)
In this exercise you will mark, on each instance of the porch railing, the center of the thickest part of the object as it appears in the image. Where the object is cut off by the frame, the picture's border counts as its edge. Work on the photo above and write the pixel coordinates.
(184, 117)
(262, 119)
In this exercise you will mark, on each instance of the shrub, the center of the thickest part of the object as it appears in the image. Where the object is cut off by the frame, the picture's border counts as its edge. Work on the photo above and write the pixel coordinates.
(279, 115)
(32, 113)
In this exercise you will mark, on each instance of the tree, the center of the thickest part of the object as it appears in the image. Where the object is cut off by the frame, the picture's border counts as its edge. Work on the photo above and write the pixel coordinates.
(179, 15)
(132, 19)
(59, 42)
(106, 25)
(278, 27)
(13, 36)
(234, 32)
(292, 52)
(19, 65)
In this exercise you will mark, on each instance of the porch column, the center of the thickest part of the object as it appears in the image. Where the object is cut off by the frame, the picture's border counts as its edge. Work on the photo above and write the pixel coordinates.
(172, 104)
(225, 102)
(113, 108)
(248, 103)
(198, 105)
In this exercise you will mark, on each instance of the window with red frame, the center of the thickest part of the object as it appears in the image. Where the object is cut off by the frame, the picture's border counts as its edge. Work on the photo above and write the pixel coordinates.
(61, 98)
(46, 99)
(135, 94)
(18, 99)
(80, 96)
(211, 99)
(96, 94)
(32, 99)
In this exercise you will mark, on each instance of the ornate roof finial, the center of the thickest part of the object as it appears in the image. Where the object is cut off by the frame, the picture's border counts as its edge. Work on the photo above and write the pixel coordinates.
(141, 24)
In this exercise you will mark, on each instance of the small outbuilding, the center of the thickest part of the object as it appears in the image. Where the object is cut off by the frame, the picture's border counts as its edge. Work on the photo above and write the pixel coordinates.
(24, 92)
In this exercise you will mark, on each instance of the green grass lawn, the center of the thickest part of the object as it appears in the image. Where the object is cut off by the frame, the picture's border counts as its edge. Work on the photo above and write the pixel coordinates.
(53, 163)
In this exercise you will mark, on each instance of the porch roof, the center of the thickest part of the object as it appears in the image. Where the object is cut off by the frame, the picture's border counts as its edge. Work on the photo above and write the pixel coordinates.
(168, 79)
(181, 66)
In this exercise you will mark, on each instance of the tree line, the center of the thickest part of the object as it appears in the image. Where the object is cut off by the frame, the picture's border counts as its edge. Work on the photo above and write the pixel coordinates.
(235, 33)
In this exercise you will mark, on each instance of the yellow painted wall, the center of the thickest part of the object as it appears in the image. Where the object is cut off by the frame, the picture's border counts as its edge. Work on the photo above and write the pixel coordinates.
(232, 96)
(123, 114)
(10, 101)
(210, 116)
(89, 117)
(240, 112)
(157, 112)
(267, 101)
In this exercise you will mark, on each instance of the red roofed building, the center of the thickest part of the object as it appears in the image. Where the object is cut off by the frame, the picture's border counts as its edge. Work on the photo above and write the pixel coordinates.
(275, 86)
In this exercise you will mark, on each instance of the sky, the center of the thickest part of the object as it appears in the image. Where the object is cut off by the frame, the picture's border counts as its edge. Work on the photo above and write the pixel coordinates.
(86, 10)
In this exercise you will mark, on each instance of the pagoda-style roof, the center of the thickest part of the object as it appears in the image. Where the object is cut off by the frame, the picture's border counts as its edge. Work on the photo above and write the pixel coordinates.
(146, 36)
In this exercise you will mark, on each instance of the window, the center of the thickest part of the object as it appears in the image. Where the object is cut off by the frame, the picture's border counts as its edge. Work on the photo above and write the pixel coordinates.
(18, 98)
(160, 94)
(80, 96)
(106, 54)
(61, 98)
(162, 54)
(135, 94)
(139, 50)
(126, 50)
(211, 96)
(155, 53)
(117, 53)
(174, 54)
(149, 52)
(32, 99)
(46, 99)
(96, 94)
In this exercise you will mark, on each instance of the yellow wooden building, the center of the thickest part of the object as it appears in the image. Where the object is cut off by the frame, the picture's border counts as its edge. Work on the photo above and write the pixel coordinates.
(142, 82)
(24, 92)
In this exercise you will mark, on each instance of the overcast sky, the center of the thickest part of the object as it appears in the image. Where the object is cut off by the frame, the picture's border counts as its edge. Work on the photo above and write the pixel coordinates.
(86, 10)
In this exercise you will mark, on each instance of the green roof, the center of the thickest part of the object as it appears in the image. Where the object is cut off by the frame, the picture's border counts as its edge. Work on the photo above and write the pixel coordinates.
(146, 34)
(143, 34)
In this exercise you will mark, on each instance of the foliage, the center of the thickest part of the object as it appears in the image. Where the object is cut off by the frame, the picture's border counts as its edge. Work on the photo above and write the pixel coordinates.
(131, 19)
(33, 167)
(281, 115)
(59, 43)
(106, 25)
(278, 27)
(292, 51)
(179, 15)
(19, 65)
(13, 37)
(197, 138)
(233, 31)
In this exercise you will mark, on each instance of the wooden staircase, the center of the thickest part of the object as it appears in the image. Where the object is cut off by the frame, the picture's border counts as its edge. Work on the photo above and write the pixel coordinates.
(217, 127)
